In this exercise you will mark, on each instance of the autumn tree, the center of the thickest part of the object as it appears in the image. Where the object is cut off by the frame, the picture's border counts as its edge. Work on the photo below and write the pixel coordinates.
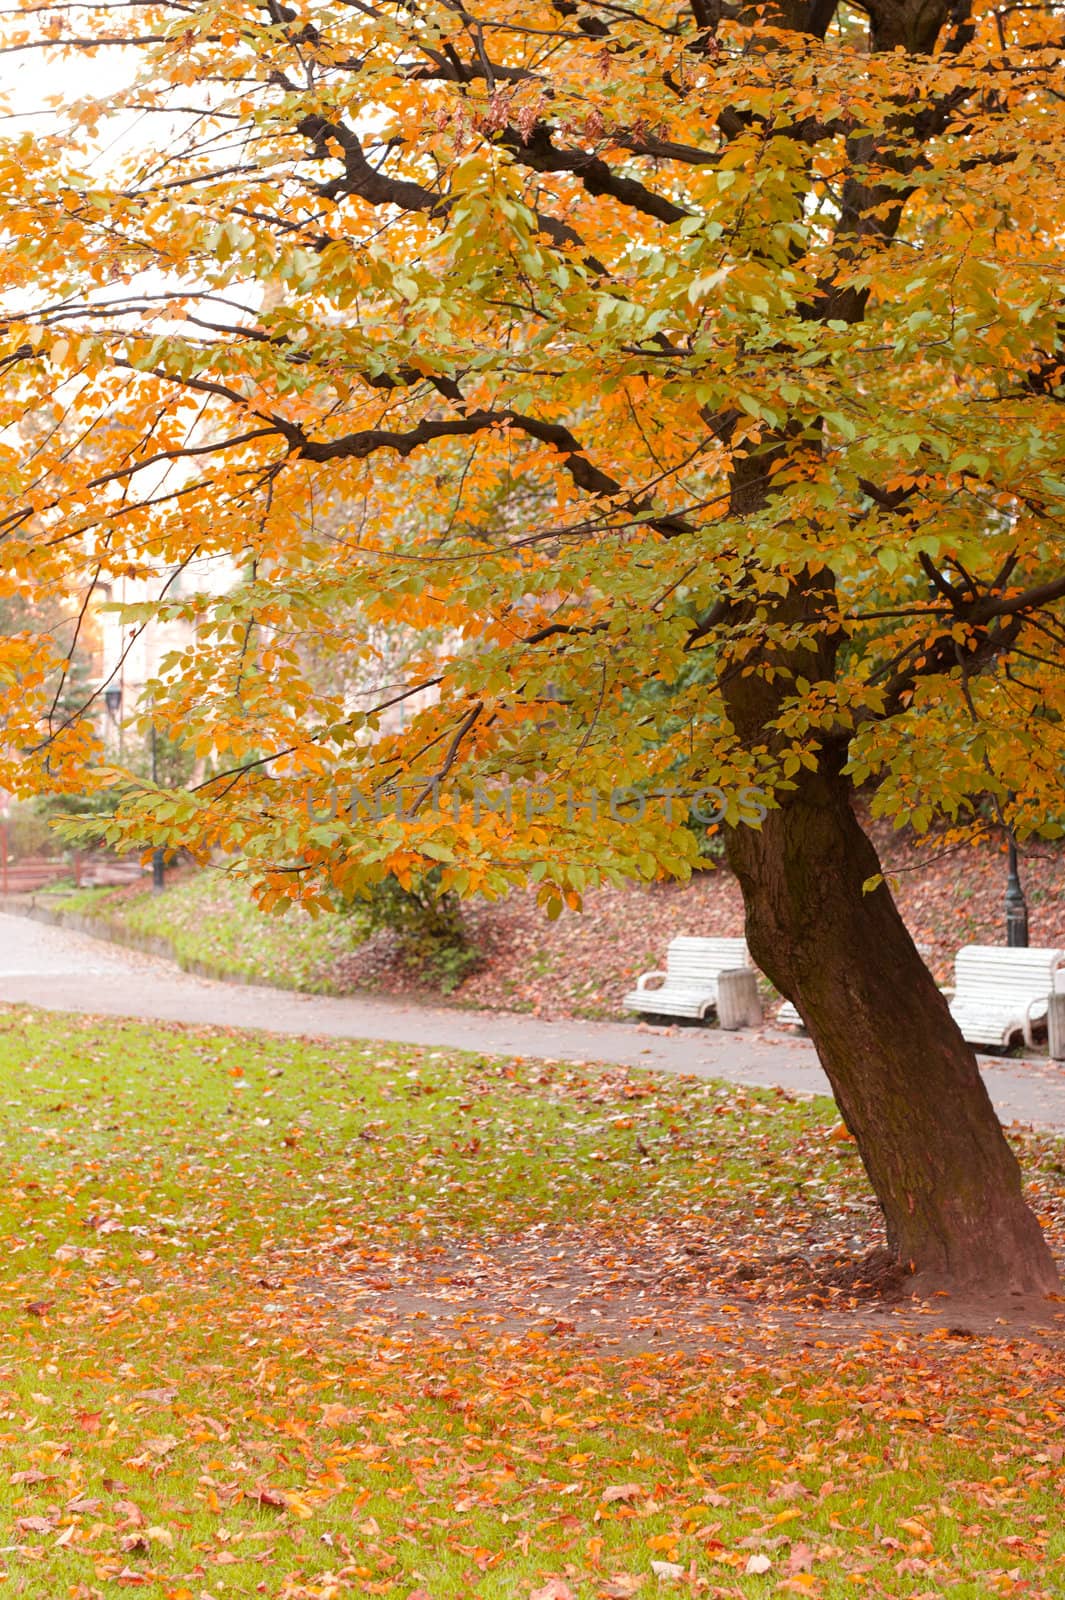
(581, 339)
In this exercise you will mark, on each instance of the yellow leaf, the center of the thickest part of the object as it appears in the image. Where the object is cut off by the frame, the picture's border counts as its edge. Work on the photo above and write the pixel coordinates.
(298, 1506)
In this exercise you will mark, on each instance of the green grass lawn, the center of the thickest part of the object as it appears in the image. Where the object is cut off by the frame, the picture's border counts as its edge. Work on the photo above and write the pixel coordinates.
(180, 1412)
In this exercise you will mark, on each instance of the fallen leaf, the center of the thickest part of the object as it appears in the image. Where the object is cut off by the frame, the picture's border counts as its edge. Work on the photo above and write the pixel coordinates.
(338, 1416)
(621, 1586)
(667, 1571)
(267, 1497)
(800, 1559)
(298, 1506)
(791, 1491)
(622, 1491)
(757, 1563)
(161, 1445)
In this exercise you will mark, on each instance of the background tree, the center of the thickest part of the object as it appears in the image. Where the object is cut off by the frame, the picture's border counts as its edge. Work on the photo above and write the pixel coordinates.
(755, 311)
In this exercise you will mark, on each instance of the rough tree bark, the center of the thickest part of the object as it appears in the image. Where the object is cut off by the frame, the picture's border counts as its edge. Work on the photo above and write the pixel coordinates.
(906, 1083)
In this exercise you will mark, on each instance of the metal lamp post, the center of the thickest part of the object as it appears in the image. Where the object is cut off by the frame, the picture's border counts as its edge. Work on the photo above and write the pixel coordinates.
(113, 702)
(4, 841)
(1016, 906)
(158, 862)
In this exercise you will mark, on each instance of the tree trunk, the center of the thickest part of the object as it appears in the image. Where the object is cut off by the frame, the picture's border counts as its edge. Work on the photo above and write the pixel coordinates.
(906, 1083)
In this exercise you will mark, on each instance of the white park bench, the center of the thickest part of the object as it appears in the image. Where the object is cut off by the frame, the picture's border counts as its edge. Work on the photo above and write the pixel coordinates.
(1000, 992)
(688, 986)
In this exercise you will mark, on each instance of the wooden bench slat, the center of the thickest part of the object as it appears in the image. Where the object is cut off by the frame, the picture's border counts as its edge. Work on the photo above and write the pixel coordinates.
(693, 966)
(999, 991)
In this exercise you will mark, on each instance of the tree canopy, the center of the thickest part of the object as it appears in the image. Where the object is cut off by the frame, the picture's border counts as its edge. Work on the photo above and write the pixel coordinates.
(571, 337)
(682, 383)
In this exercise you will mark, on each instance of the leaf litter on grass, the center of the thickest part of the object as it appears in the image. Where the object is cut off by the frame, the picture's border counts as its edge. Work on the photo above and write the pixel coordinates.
(220, 1391)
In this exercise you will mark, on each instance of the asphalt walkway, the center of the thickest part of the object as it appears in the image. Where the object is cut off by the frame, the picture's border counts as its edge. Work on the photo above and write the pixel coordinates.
(61, 970)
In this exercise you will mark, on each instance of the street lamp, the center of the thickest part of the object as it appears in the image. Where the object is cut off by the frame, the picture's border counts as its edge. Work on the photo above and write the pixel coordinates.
(1016, 906)
(158, 863)
(5, 813)
(113, 699)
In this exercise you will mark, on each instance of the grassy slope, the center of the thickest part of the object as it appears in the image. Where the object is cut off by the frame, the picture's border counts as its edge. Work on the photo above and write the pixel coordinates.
(212, 919)
(178, 1413)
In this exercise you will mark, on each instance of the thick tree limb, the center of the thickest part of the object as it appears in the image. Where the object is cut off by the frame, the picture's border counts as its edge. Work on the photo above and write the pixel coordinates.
(596, 175)
(584, 473)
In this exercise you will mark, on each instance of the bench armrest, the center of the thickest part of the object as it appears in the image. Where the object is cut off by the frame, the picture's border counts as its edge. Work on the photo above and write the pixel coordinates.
(1032, 1016)
(645, 978)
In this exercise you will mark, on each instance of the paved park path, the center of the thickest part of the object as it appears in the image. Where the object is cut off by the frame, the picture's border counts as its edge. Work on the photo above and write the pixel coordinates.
(61, 970)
